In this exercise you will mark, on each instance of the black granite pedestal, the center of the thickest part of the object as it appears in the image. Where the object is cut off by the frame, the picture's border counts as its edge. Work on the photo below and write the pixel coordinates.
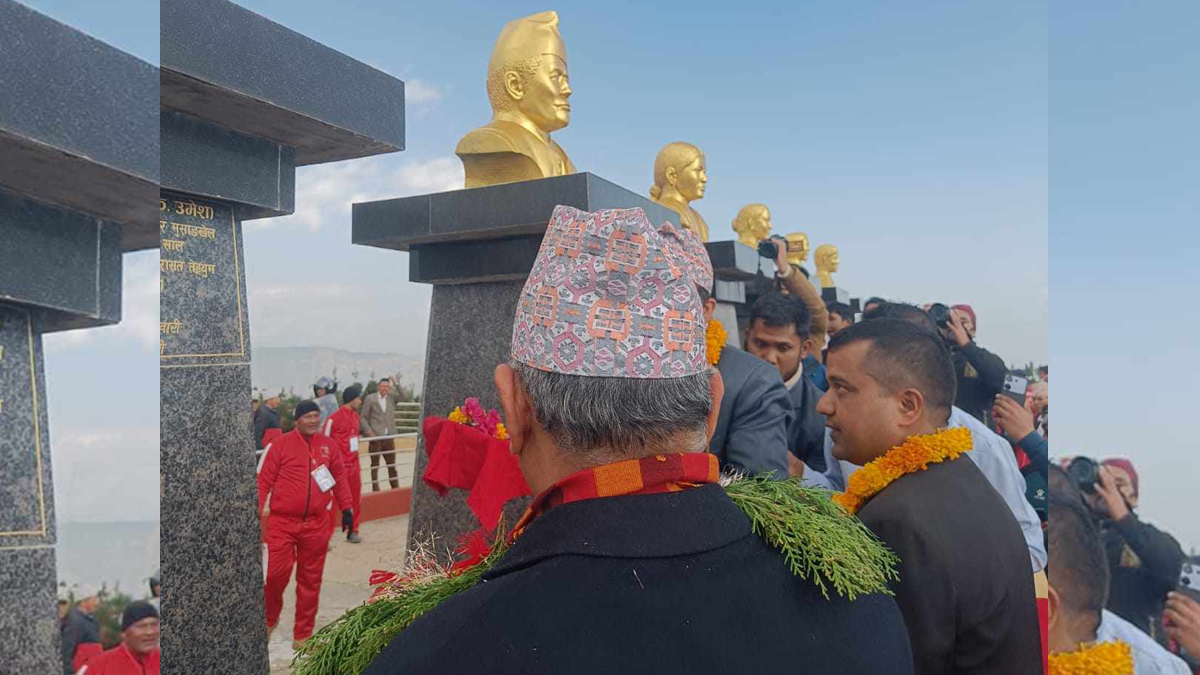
(476, 247)
(78, 174)
(244, 101)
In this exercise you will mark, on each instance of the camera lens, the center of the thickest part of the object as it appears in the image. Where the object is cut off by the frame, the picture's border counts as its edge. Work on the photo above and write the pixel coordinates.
(940, 314)
(1085, 472)
(768, 249)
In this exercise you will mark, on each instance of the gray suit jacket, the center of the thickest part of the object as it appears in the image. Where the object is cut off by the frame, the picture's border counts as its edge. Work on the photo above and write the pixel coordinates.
(752, 431)
(376, 422)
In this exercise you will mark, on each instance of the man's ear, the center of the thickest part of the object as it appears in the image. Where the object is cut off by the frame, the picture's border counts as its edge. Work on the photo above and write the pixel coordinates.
(911, 405)
(1054, 605)
(716, 387)
(517, 415)
(513, 85)
(806, 347)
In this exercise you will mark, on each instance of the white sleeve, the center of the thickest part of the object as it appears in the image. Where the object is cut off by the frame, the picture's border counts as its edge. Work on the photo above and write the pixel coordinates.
(263, 458)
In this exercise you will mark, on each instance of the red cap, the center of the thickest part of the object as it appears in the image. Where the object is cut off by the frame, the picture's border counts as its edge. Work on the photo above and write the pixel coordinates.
(970, 312)
(1126, 466)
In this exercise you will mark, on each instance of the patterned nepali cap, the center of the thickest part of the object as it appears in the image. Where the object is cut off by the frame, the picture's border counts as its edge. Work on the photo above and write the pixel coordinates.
(609, 296)
(692, 249)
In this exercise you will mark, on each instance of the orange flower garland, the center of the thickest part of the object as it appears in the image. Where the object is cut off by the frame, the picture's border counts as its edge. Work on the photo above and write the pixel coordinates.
(1105, 658)
(916, 453)
(714, 341)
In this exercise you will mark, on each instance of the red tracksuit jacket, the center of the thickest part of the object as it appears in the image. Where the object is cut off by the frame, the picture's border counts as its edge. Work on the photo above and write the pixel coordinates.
(120, 661)
(341, 426)
(285, 472)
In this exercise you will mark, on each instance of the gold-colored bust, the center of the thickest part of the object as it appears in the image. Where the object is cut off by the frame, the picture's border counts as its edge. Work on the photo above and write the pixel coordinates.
(752, 224)
(797, 247)
(826, 257)
(528, 88)
(679, 178)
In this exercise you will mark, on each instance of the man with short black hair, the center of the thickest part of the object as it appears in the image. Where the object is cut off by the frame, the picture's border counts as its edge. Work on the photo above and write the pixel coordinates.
(968, 601)
(377, 417)
(841, 316)
(779, 326)
(1079, 584)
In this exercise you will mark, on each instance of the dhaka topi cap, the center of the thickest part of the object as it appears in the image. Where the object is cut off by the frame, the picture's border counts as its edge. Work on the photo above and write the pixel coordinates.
(608, 296)
(692, 249)
(305, 407)
(135, 612)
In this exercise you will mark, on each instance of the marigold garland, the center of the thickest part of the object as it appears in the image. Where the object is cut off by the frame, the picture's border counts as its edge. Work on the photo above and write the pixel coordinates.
(714, 341)
(916, 453)
(1104, 658)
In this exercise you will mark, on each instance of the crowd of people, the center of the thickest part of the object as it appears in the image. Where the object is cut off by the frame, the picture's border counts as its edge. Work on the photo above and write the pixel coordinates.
(133, 651)
(919, 432)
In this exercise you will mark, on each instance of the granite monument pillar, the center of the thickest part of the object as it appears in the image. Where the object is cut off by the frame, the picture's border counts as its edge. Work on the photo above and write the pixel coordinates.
(476, 246)
(78, 171)
(244, 101)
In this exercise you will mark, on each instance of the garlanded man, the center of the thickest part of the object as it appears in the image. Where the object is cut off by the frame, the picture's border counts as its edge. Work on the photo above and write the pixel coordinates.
(632, 558)
(965, 587)
(301, 472)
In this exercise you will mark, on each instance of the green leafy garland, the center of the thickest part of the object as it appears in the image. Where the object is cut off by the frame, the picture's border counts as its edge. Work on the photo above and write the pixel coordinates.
(818, 539)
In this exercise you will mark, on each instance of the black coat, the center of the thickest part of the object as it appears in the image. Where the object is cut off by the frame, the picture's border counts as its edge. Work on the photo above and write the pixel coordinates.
(1144, 563)
(77, 629)
(264, 419)
(965, 589)
(752, 430)
(664, 583)
(980, 375)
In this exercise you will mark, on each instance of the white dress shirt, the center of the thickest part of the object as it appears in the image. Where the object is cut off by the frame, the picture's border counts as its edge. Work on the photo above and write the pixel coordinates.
(1149, 657)
(995, 459)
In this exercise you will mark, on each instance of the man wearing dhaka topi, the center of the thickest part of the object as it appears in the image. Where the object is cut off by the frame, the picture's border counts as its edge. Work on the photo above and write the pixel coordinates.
(632, 558)
(965, 587)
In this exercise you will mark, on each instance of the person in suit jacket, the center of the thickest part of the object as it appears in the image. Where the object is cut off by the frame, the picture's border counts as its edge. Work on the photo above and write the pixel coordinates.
(965, 587)
(631, 559)
(378, 418)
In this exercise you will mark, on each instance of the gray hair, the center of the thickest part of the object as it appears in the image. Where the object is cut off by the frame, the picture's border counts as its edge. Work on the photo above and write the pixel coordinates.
(603, 419)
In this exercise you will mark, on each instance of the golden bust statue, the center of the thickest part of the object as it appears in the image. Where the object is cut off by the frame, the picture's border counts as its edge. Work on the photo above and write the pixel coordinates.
(527, 85)
(797, 247)
(679, 178)
(826, 257)
(752, 224)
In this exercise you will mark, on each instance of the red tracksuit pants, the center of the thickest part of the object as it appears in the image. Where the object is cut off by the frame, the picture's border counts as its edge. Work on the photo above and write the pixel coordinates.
(354, 482)
(292, 542)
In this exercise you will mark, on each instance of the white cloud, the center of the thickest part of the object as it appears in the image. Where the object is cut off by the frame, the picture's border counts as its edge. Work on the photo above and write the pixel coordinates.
(421, 93)
(106, 473)
(325, 192)
(139, 310)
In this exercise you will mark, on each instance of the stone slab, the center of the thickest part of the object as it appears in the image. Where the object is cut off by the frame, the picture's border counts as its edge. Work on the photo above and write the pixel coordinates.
(734, 261)
(202, 284)
(26, 484)
(208, 160)
(78, 123)
(729, 291)
(65, 263)
(474, 261)
(28, 620)
(470, 329)
(223, 63)
(491, 212)
(834, 294)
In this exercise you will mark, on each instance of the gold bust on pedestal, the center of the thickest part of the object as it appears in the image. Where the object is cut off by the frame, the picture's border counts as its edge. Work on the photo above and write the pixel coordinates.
(797, 248)
(752, 224)
(826, 257)
(679, 178)
(528, 88)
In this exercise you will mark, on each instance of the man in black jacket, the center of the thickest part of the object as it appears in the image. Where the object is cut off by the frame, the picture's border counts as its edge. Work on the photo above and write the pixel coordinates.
(779, 335)
(80, 632)
(266, 417)
(965, 587)
(980, 373)
(631, 559)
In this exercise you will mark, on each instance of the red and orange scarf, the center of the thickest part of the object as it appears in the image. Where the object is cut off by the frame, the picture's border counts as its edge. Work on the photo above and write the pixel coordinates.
(644, 476)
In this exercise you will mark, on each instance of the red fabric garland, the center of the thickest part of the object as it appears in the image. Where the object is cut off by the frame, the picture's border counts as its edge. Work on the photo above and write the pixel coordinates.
(466, 458)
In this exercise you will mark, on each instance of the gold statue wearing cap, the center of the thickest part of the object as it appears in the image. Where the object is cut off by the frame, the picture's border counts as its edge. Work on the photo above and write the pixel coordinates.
(679, 178)
(797, 248)
(752, 224)
(826, 257)
(528, 88)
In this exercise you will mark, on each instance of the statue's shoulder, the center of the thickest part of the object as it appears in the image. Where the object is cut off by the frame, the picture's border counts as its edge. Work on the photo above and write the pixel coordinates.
(493, 137)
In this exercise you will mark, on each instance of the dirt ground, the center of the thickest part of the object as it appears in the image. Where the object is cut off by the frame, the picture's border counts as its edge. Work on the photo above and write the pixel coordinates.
(347, 568)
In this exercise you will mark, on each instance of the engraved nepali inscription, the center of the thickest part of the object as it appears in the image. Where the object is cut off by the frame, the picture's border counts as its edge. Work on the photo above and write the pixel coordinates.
(22, 482)
(200, 281)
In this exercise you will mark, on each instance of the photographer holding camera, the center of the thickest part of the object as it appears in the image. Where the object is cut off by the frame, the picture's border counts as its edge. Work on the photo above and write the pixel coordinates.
(1144, 561)
(980, 373)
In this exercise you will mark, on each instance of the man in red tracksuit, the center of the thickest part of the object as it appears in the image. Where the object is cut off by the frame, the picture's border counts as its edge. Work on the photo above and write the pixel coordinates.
(138, 653)
(342, 427)
(302, 471)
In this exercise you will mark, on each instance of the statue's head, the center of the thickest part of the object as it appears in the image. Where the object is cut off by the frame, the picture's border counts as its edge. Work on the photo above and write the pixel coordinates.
(826, 257)
(753, 220)
(797, 247)
(527, 74)
(680, 166)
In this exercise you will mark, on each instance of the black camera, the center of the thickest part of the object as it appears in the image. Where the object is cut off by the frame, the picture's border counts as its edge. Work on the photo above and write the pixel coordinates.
(1085, 472)
(940, 314)
(769, 249)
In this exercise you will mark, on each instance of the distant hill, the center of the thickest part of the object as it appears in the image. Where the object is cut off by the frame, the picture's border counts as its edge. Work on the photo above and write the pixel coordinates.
(296, 368)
